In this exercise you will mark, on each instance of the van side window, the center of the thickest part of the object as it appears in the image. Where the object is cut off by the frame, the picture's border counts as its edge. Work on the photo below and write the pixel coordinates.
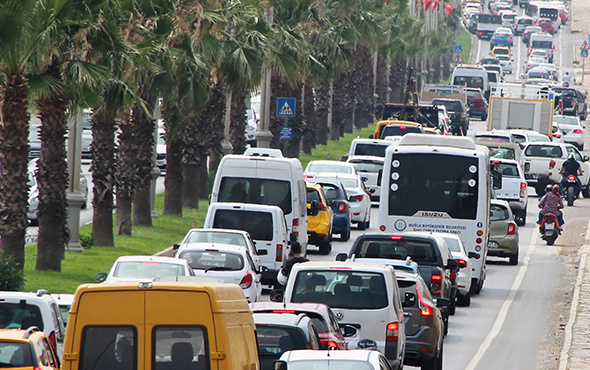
(256, 190)
(109, 347)
(180, 348)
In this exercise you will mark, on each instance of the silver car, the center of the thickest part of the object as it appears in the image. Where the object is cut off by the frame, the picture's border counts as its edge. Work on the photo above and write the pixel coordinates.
(572, 129)
(503, 241)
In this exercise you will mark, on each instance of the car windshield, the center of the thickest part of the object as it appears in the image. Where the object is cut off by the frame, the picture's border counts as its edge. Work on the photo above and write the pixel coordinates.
(469, 81)
(474, 94)
(541, 44)
(274, 340)
(330, 364)
(503, 139)
(539, 138)
(147, 269)
(256, 190)
(451, 105)
(567, 120)
(453, 244)
(368, 166)
(547, 151)
(341, 288)
(216, 237)
(213, 260)
(399, 130)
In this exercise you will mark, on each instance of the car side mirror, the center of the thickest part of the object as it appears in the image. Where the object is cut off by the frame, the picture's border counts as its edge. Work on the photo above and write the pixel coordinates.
(101, 276)
(453, 265)
(175, 247)
(348, 331)
(527, 166)
(280, 365)
(341, 257)
(409, 299)
(314, 208)
(262, 252)
(442, 302)
(276, 295)
(585, 158)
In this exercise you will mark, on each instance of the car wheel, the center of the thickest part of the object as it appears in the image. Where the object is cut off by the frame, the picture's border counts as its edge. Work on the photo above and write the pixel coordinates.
(540, 189)
(345, 235)
(581, 147)
(325, 247)
(475, 286)
(368, 223)
(484, 117)
(521, 218)
(464, 300)
(586, 192)
(435, 363)
(362, 225)
(452, 307)
(514, 259)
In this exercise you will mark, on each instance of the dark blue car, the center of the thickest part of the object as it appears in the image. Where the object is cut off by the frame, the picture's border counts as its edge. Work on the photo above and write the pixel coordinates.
(337, 199)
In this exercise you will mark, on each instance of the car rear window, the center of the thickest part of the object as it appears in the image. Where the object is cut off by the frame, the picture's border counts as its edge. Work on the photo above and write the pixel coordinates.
(546, 151)
(216, 237)
(503, 139)
(328, 364)
(213, 260)
(367, 166)
(258, 224)
(147, 269)
(498, 213)
(452, 106)
(503, 153)
(15, 354)
(341, 288)
(313, 194)
(20, 316)
(370, 149)
(420, 250)
(507, 169)
(326, 167)
(331, 192)
(275, 340)
(399, 130)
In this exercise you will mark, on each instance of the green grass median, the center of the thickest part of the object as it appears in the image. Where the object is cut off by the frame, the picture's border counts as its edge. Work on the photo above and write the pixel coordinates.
(80, 268)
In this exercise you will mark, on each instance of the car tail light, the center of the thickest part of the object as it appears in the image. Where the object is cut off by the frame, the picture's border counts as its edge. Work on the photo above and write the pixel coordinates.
(332, 344)
(392, 332)
(552, 162)
(308, 346)
(462, 262)
(571, 178)
(463, 115)
(437, 281)
(341, 207)
(509, 40)
(283, 311)
(511, 228)
(425, 308)
(52, 339)
(357, 198)
(523, 189)
(322, 206)
(308, 176)
(480, 33)
(246, 281)
(279, 256)
(578, 131)
(295, 228)
(557, 136)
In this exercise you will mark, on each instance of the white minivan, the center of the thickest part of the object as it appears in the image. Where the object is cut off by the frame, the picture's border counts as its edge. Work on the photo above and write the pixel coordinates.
(265, 224)
(364, 296)
(471, 76)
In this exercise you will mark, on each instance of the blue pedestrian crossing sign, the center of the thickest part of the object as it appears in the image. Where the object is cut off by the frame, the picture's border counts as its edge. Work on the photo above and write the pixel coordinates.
(584, 53)
(286, 107)
(458, 49)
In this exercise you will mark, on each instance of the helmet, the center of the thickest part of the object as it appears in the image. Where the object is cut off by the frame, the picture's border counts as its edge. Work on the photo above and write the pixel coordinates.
(571, 156)
(548, 188)
(567, 73)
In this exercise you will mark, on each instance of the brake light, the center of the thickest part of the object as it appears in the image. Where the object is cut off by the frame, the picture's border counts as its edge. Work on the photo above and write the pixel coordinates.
(402, 127)
(495, 161)
(578, 131)
(332, 344)
(509, 40)
(523, 189)
(511, 228)
(395, 237)
(358, 198)
(283, 311)
(295, 228)
(52, 339)
(462, 262)
(246, 281)
(463, 115)
(341, 207)
(322, 206)
(557, 136)
(392, 332)
(425, 308)
(279, 256)
(437, 281)
(552, 162)
(307, 176)
(571, 178)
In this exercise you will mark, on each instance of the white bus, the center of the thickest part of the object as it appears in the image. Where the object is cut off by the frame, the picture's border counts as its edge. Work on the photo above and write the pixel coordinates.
(439, 184)
(544, 9)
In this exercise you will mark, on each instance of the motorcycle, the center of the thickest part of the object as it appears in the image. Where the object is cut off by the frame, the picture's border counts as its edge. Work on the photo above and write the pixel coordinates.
(566, 84)
(571, 190)
(550, 229)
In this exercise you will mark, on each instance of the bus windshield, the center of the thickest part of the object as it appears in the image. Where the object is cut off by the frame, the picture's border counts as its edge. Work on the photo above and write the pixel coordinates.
(442, 183)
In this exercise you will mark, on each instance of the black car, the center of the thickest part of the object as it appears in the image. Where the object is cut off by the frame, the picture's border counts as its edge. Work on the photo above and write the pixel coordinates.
(573, 101)
(457, 113)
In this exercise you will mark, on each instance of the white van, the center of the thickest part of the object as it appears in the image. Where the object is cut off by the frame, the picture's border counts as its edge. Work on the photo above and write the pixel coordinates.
(471, 76)
(364, 296)
(542, 41)
(265, 224)
(265, 180)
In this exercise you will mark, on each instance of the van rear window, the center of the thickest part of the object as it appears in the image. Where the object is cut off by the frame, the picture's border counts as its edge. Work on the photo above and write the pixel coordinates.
(258, 224)
(341, 289)
(109, 347)
(257, 191)
(180, 347)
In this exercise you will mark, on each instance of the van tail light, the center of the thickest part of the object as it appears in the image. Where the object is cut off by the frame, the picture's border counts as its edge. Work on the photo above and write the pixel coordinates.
(279, 256)
(552, 162)
(246, 281)
(523, 189)
(578, 131)
(511, 228)
(462, 262)
(295, 227)
(392, 332)
(52, 339)
(437, 282)
(341, 207)
(425, 308)
(322, 206)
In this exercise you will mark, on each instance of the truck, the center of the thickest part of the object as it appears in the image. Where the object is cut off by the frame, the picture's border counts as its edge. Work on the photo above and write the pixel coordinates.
(487, 24)
(522, 106)
(433, 91)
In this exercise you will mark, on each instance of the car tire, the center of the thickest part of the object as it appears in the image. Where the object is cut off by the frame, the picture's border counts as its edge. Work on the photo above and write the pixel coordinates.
(586, 192)
(475, 286)
(435, 363)
(521, 218)
(464, 300)
(484, 117)
(345, 236)
(514, 259)
(581, 147)
(452, 307)
(325, 248)
(368, 223)
(362, 225)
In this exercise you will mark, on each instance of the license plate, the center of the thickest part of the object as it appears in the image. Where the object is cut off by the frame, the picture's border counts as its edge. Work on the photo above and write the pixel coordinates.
(492, 244)
(550, 226)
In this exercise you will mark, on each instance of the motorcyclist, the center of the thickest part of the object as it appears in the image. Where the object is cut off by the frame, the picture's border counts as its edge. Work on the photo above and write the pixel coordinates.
(570, 167)
(566, 79)
(551, 202)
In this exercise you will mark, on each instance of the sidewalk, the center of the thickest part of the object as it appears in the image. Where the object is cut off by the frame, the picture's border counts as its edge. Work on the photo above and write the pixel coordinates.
(575, 353)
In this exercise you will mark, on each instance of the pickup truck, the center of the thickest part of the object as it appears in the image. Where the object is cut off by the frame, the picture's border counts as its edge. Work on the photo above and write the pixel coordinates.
(573, 101)
(514, 187)
(487, 24)
(430, 252)
(543, 162)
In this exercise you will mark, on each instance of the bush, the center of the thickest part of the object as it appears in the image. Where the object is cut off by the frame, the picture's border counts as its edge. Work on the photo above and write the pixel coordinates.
(12, 278)
(86, 241)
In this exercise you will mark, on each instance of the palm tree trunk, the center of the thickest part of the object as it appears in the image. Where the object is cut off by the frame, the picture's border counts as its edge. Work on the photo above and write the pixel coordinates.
(362, 82)
(173, 180)
(238, 120)
(14, 150)
(322, 92)
(190, 175)
(203, 175)
(309, 119)
(125, 175)
(103, 164)
(142, 207)
(52, 177)
(397, 79)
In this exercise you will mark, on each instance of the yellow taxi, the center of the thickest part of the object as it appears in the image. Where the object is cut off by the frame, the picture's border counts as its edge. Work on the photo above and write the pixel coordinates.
(398, 127)
(320, 218)
(27, 349)
(501, 50)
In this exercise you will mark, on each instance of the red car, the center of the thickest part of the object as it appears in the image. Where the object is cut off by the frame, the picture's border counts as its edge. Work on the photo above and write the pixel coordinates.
(476, 103)
(546, 25)
(321, 315)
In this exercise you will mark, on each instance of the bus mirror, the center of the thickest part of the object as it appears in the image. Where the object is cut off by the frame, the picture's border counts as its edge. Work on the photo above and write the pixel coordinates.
(497, 179)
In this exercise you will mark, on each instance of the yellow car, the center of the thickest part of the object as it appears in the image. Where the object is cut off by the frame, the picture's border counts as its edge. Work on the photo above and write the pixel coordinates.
(27, 349)
(320, 218)
(380, 127)
(501, 50)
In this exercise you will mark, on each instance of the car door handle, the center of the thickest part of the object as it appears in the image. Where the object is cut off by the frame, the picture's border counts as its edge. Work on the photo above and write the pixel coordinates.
(407, 314)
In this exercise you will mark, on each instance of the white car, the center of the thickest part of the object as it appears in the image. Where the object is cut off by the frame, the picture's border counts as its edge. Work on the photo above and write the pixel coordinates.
(557, 134)
(572, 130)
(505, 62)
(145, 268)
(308, 359)
(314, 167)
(228, 263)
(464, 275)
(359, 197)
(370, 168)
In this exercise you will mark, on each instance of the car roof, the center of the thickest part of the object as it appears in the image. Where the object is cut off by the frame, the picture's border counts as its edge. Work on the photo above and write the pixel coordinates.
(347, 265)
(217, 247)
(287, 319)
(18, 335)
(232, 231)
(140, 258)
(320, 308)
(365, 158)
(361, 355)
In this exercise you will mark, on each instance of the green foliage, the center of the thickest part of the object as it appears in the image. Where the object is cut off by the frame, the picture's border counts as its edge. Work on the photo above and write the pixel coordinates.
(86, 241)
(12, 277)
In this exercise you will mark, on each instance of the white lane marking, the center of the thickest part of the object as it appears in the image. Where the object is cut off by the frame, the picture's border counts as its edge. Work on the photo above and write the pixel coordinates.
(568, 336)
(485, 345)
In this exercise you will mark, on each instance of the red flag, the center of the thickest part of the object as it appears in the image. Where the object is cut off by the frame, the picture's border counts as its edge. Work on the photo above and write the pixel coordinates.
(428, 3)
(436, 2)
(449, 8)
(422, 3)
